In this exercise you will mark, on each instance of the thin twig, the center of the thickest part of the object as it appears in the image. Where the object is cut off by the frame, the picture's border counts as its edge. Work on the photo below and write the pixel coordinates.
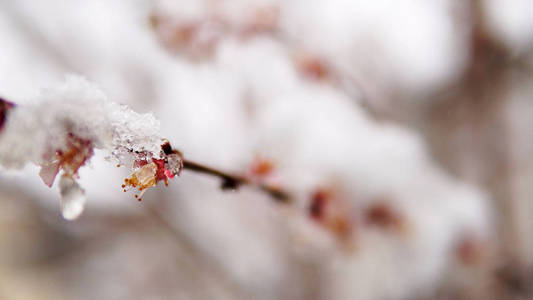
(233, 182)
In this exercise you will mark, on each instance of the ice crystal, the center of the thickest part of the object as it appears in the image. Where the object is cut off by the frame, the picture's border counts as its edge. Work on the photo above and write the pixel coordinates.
(72, 198)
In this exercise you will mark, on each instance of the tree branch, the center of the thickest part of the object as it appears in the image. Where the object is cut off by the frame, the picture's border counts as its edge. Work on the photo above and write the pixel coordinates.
(229, 181)
(234, 182)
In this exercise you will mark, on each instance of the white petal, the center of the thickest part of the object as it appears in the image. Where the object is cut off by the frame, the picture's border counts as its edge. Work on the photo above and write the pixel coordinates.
(72, 198)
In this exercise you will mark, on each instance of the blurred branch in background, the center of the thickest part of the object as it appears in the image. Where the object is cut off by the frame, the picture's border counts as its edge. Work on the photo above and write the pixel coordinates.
(472, 133)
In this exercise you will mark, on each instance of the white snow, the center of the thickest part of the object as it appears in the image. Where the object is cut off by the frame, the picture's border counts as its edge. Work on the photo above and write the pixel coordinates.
(79, 107)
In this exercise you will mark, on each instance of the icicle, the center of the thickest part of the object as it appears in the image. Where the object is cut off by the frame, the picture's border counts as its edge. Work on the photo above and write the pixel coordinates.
(72, 198)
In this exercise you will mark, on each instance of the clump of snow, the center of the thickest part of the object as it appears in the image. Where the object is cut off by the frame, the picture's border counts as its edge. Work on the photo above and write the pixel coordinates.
(78, 107)
(61, 128)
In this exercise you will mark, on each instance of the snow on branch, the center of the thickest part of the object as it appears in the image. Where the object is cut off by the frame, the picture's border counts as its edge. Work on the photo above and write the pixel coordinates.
(61, 131)
(76, 110)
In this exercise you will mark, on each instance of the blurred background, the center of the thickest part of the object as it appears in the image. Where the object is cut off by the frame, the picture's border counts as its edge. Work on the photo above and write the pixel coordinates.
(402, 130)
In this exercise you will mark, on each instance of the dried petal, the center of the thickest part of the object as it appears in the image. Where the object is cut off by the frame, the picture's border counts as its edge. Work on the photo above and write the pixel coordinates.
(144, 177)
(49, 172)
(384, 215)
(262, 167)
(76, 154)
(330, 210)
(72, 198)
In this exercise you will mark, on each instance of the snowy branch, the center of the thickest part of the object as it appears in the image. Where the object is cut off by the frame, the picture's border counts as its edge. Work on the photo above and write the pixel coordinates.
(61, 131)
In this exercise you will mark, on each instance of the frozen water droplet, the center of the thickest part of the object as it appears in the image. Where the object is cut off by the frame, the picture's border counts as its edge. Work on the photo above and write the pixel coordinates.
(72, 198)
(175, 163)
